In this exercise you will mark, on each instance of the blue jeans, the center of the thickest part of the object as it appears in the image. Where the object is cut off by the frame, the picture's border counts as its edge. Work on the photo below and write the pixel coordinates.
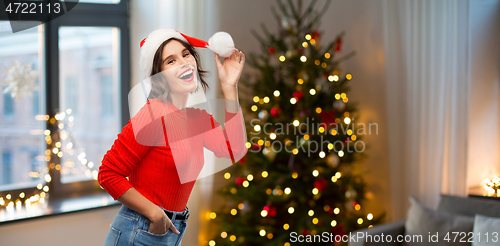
(130, 228)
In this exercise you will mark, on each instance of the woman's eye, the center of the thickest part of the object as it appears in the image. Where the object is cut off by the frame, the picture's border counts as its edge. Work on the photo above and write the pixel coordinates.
(170, 62)
(187, 54)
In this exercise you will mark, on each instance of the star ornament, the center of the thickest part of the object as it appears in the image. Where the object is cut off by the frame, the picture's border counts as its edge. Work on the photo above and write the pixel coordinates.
(20, 80)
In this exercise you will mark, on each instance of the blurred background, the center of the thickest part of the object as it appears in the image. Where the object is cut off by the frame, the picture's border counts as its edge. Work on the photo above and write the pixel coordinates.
(425, 73)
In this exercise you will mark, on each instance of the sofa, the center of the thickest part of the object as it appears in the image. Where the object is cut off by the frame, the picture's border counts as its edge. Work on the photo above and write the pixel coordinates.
(452, 206)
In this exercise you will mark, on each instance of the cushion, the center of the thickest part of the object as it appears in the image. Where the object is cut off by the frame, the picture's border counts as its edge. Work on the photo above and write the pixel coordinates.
(428, 223)
(469, 206)
(486, 231)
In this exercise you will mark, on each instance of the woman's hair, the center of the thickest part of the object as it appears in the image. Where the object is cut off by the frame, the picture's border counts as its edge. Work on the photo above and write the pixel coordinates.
(159, 86)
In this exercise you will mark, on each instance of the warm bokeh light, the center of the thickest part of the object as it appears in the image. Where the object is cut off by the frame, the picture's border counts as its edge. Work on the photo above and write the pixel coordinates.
(369, 216)
(213, 215)
(315, 173)
(322, 154)
(341, 153)
(264, 174)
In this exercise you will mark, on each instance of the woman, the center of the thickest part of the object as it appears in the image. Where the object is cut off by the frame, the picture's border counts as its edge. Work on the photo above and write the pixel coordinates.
(160, 149)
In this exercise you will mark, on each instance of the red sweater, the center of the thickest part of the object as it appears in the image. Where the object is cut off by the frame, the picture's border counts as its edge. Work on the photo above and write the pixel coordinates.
(160, 150)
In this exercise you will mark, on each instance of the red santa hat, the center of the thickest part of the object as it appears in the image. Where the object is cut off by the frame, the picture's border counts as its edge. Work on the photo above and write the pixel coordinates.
(220, 43)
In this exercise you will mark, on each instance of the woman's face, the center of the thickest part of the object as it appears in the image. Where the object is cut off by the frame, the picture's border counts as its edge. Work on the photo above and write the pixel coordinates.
(179, 68)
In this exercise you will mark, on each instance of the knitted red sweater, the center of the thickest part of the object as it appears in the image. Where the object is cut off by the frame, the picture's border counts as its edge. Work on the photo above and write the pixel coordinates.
(160, 150)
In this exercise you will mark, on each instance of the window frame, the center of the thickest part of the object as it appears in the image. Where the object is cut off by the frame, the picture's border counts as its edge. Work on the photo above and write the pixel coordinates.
(82, 15)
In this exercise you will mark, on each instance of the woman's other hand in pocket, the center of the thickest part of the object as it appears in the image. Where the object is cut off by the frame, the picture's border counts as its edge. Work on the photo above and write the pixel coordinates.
(161, 223)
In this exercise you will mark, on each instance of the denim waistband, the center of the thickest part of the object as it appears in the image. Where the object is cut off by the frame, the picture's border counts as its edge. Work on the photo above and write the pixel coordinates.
(131, 213)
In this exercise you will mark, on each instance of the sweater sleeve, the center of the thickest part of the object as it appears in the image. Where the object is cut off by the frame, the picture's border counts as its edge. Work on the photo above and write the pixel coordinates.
(132, 144)
(229, 142)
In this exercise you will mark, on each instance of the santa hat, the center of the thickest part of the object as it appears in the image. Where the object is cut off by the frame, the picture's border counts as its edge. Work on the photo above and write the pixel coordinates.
(220, 43)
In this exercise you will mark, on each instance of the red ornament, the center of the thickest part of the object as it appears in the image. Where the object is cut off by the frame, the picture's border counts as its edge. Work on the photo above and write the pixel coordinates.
(320, 184)
(315, 35)
(242, 161)
(275, 111)
(272, 211)
(339, 229)
(338, 44)
(328, 119)
(256, 146)
(305, 232)
(300, 50)
(298, 95)
(271, 50)
(239, 181)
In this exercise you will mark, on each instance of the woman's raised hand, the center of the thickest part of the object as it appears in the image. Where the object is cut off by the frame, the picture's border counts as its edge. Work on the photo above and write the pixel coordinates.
(230, 69)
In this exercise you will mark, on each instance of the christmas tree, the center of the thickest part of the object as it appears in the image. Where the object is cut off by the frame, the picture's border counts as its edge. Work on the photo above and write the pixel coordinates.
(298, 176)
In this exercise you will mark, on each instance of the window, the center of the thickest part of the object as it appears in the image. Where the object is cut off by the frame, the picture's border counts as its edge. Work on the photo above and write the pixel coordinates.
(7, 168)
(107, 96)
(70, 85)
(88, 72)
(8, 104)
(55, 133)
(20, 128)
(36, 103)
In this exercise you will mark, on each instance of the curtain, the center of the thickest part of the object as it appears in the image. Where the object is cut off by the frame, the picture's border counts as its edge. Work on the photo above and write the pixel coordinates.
(197, 19)
(427, 69)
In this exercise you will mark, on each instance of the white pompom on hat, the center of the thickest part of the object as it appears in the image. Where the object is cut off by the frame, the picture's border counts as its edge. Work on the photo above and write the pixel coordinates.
(220, 43)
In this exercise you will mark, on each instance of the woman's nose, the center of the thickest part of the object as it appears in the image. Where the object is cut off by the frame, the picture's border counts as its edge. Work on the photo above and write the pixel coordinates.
(186, 60)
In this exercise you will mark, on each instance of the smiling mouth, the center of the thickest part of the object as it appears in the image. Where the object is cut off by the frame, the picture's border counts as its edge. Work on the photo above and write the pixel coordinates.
(187, 75)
